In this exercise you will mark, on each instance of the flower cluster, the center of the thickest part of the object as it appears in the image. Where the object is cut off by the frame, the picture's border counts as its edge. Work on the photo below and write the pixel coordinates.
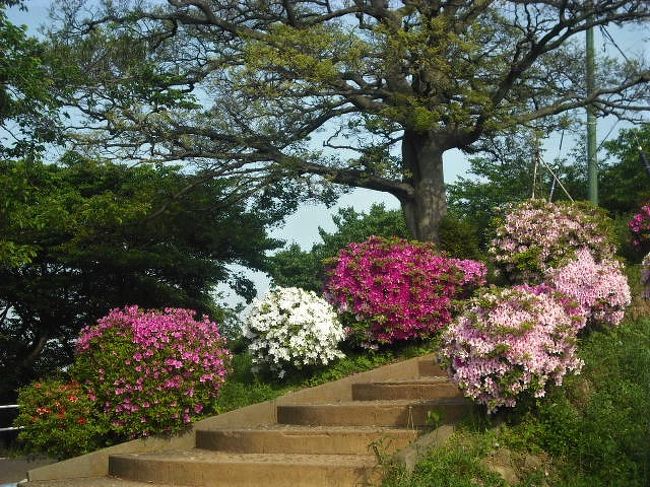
(293, 328)
(511, 341)
(398, 290)
(601, 288)
(151, 371)
(639, 225)
(58, 418)
(536, 236)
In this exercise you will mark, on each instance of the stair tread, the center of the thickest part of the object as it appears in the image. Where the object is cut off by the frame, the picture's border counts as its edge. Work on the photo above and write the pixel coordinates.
(209, 456)
(412, 381)
(383, 403)
(94, 482)
(316, 429)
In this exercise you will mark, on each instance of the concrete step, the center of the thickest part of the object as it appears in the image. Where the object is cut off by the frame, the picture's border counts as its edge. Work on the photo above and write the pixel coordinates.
(216, 469)
(425, 388)
(327, 440)
(400, 414)
(430, 368)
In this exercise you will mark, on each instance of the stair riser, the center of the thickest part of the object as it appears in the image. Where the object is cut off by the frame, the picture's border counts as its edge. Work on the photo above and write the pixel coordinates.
(370, 415)
(323, 443)
(429, 368)
(206, 474)
(389, 392)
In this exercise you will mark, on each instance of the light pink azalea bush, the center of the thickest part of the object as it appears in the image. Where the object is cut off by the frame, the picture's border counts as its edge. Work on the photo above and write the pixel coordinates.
(537, 236)
(390, 290)
(509, 342)
(151, 371)
(600, 288)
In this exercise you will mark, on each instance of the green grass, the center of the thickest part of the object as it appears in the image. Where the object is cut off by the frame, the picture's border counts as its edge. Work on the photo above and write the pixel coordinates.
(592, 432)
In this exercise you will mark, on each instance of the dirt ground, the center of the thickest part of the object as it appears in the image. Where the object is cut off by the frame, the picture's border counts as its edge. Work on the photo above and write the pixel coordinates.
(15, 469)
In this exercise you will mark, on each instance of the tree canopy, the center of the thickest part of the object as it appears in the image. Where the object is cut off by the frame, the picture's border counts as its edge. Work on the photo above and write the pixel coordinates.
(29, 94)
(367, 93)
(85, 236)
(624, 180)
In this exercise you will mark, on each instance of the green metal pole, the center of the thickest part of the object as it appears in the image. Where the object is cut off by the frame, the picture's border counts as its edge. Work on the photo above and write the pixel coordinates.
(592, 161)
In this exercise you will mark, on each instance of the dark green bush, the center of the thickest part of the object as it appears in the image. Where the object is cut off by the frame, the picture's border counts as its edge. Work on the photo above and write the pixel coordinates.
(60, 419)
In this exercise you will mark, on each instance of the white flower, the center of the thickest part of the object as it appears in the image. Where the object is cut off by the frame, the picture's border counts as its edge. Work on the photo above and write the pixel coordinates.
(293, 326)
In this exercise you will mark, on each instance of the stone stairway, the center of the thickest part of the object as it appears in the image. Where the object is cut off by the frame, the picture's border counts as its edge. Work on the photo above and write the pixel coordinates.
(320, 444)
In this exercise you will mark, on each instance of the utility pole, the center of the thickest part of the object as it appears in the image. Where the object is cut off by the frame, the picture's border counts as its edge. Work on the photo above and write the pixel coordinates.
(592, 161)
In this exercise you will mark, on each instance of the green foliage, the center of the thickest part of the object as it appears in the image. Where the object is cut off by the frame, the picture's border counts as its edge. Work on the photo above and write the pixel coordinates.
(624, 183)
(82, 237)
(459, 237)
(592, 431)
(28, 90)
(506, 177)
(60, 419)
(456, 464)
(293, 267)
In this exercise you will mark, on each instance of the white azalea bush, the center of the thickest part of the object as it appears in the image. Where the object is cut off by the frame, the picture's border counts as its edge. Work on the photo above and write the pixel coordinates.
(292, 328)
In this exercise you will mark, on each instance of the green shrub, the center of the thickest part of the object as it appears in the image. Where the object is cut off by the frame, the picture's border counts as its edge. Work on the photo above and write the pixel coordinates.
(59, 418)
(459, 238)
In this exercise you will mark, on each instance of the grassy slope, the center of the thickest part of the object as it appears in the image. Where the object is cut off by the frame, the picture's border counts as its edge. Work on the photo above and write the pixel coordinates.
(593, 432)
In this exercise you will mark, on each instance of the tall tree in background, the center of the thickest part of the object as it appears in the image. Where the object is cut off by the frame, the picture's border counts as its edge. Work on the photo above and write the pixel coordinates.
(624, 180)
(249, 88)
(29, 94)
(94, 235)
(508, 175)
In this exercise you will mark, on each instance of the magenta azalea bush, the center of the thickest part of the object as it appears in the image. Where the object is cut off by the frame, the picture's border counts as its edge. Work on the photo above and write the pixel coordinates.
(600, 288)
(537, 236)
(390, 290)
(151, 371)
(509, 342)
(639, 226)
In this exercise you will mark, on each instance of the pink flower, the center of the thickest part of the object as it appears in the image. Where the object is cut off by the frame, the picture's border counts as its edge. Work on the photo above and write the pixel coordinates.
(401, 289)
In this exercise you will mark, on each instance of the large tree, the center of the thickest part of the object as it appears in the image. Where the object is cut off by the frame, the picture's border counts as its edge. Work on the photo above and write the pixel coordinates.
(365, 93)
(28, 89)
(88, 236)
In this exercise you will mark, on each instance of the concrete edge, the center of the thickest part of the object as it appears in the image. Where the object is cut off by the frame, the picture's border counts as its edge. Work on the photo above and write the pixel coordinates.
(95, 464)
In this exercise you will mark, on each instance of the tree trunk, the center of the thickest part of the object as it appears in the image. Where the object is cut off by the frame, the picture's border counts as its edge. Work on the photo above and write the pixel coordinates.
(424, 211)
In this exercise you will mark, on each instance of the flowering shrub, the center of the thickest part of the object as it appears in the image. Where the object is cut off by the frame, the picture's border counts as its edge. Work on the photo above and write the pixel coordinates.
(292, 327)
(601, 288)
(639, 225)
(151, 371)
(536, 236)
(511, 341)
(58, 418)
(397, 290)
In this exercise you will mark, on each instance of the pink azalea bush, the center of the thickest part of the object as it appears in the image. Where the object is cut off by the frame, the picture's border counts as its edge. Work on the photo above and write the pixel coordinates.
(509, 342)
(536, 236)
(392, 289)
(151, 371)
(600, 288)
